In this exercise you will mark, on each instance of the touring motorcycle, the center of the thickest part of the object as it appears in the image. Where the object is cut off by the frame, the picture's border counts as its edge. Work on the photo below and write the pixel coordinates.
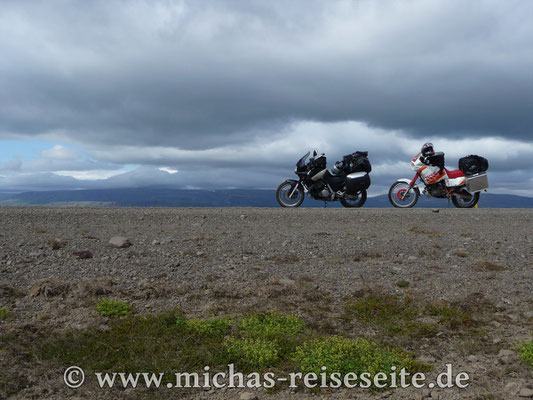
(462, 186)
(347, 181)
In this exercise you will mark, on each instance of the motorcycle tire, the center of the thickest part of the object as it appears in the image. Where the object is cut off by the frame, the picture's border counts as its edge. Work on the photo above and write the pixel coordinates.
(414, 192)
(359, 202)
(457, 202)
(284, 200)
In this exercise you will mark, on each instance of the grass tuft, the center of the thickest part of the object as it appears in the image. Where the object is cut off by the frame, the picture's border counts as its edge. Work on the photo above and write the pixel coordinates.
(271, 325)
(113, 308)
(252, 352)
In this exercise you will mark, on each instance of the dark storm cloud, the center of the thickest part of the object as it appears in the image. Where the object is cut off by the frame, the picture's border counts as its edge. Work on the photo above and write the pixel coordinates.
(205, 74)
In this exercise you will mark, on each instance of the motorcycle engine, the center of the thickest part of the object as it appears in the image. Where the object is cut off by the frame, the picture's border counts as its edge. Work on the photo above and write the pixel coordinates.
(319, 191)
(436, 190)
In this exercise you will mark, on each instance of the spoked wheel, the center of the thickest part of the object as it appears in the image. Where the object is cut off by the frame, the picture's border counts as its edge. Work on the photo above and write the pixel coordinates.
(287, 197)
(467, 199)
(352, 201)
(401, 197)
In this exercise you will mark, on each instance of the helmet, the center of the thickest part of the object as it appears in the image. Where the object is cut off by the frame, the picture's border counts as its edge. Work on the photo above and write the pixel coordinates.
(337, 168)
(427, 149)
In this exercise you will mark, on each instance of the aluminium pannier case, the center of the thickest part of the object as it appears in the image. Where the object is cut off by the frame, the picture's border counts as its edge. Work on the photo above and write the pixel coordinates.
(477, 183)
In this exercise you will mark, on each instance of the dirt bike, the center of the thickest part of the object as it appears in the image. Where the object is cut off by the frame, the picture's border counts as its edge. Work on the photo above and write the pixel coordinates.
(347, 181)
(461, 186)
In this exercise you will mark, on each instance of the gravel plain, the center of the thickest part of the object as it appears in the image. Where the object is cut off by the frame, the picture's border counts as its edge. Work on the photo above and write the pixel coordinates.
(55, 262)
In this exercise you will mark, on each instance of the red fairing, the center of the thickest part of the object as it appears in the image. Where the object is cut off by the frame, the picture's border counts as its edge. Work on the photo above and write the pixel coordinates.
(457, 173)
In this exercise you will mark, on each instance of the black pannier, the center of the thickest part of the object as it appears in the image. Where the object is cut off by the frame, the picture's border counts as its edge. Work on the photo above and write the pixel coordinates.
(473, 164)
(357, 162)
(354, 184)
(437, 160)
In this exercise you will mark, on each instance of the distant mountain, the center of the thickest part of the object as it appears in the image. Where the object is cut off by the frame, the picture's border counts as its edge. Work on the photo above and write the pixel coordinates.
(157, 197)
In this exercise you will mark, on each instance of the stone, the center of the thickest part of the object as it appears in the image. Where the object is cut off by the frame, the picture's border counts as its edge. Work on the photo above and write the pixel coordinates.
(83, 254)
(119, 242)
(525, 392)
(248, 396)
(435, 210)
(505, 353)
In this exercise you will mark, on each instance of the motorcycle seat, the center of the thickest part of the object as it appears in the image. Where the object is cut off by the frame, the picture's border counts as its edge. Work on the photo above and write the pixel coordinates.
(457, 173)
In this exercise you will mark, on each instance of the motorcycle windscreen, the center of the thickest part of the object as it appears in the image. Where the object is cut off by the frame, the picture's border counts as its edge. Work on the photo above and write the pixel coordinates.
(301, 162)
(357, 182)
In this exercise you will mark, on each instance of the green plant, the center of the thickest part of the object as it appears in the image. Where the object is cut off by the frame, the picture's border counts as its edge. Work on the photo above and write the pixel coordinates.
(113, 308)
(4, 313)
(207, 327)
(525, 352)
(253, 352)
(343, 355)
(403, 284)
(271, 325)
(453, 317)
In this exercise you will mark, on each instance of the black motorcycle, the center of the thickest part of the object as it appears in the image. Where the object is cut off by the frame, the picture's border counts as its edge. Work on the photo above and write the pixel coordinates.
(347, 181)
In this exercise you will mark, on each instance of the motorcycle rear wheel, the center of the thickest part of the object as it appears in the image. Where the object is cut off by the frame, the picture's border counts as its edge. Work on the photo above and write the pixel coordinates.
(470, 202)
(283, 196)
(354, 202)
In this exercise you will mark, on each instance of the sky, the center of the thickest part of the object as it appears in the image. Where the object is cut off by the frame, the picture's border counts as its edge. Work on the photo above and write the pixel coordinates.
(230, 94)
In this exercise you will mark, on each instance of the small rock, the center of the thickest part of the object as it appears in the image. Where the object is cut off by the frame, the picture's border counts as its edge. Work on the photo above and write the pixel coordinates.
(287, 282)
(155, 242)
(119, 242)
(243, 216)
(511, 387)
(525, 392)
(472, 358)
(248, 396)
(83, 254)
(435, 210)
(497, 340)
(505, 353)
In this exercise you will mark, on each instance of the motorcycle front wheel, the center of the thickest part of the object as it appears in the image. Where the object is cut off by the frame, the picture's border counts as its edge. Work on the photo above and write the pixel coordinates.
(400, 198)
(354, 201)
(466, 202)
(283, 195)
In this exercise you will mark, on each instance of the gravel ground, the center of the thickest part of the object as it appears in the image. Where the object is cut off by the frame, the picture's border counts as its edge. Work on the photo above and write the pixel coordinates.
(218, 261)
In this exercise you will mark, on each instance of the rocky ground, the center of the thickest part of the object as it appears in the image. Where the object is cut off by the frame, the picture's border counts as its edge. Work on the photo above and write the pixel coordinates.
(56, 262)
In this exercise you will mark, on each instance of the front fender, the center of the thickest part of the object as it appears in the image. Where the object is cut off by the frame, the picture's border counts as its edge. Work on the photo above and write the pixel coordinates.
(294, 183)
(408, 181)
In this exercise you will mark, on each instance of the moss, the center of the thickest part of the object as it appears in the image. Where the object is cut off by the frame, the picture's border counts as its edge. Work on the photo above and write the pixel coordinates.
(4, 313)
(270, 325)
(343, 355)
(403, 284)
(215, 327)
(252, 352)
(525, 352)
(113, 308)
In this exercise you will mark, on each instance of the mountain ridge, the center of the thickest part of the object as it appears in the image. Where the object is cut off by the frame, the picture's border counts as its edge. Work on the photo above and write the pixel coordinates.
(161, 197)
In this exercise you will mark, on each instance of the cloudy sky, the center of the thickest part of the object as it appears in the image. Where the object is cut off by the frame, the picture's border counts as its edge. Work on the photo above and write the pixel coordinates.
(204, 94)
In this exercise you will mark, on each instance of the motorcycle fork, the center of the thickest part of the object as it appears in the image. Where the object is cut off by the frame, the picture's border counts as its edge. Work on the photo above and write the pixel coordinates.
(411, 184)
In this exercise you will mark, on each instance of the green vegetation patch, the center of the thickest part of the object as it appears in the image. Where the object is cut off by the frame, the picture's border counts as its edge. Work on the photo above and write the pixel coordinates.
(113, 308)
(343, 355)
(454, 317)
(253, 352)
(206, 327)
(391, 315)
(4, 313)
(271, 325)
(525, 352)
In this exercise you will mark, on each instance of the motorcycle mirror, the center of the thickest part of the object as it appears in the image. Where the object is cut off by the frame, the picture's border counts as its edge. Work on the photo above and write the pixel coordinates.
(314, 153)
